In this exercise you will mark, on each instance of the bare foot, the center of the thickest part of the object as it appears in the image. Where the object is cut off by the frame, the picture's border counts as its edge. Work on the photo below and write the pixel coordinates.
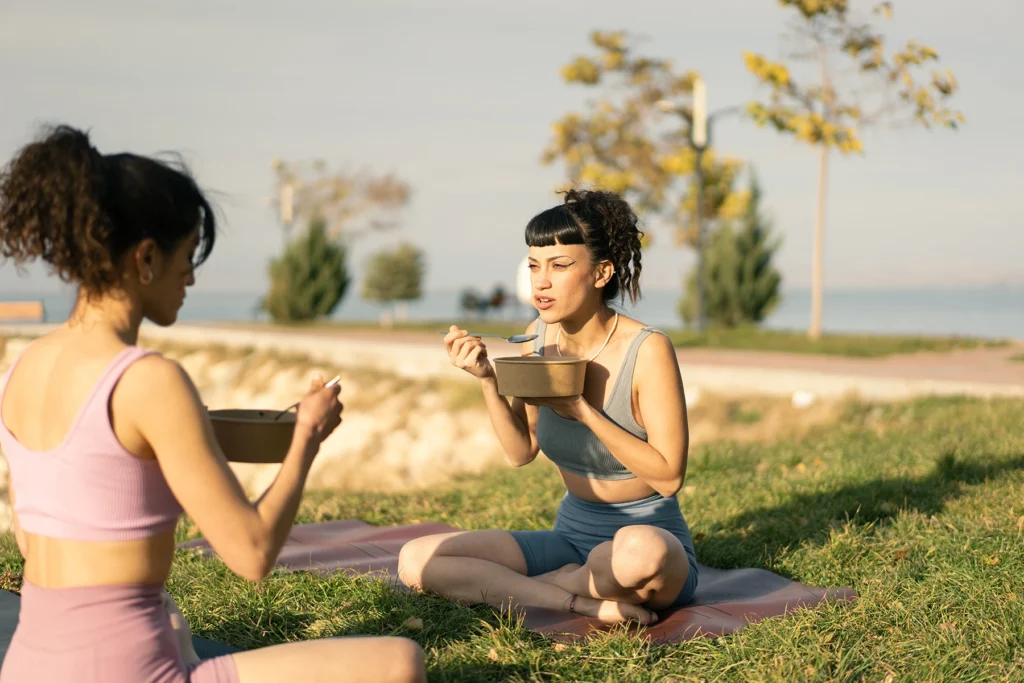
(612, 612)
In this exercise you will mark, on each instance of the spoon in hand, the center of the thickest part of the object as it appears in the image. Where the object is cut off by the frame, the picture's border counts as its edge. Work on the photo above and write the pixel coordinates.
(326, 386)
(514, 339)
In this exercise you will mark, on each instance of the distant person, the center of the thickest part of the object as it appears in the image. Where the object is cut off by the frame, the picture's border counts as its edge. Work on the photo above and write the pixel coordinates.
(620, 547)
(107, 443)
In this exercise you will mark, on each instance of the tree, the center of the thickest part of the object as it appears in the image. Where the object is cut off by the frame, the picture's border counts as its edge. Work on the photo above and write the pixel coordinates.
(309, 279)
(469, 301)
(741, 283)
(337, 206)
(474, 303)
(309, 190)
(497, 298)
(639, 146)
(395, 276)
(829, 114)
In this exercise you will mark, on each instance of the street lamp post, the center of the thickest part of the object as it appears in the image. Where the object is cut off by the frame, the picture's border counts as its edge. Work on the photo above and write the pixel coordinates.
(699, 142)
(699, 138)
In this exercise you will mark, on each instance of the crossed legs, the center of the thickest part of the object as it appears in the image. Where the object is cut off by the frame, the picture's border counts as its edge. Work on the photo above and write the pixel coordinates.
(641, 568)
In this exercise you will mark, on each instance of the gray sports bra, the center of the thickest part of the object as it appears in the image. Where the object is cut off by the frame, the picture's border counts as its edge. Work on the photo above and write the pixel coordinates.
(570, 444)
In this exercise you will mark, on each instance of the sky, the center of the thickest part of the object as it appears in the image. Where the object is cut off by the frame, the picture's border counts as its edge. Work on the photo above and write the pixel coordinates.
(458, 96)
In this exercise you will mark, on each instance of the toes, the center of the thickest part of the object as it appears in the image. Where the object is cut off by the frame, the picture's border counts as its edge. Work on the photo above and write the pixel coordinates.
(638, 614)
(623, 611)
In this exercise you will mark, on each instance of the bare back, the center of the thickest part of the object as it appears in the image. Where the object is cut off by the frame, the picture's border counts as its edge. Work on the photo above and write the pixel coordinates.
(44, 397)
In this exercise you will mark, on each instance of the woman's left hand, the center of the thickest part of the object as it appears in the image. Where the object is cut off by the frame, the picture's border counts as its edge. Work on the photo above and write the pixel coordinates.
(570, 407)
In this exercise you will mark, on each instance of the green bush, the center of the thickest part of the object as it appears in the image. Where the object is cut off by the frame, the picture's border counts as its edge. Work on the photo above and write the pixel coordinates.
(309, 280)
(395, 276)
(741, 284)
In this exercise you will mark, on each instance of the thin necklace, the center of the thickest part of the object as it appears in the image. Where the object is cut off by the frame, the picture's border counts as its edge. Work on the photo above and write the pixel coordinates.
(558, 338)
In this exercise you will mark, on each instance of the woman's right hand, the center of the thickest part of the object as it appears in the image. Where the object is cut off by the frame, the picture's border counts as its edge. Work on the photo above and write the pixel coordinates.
(320, 410)
(182, 632)
(468, 353)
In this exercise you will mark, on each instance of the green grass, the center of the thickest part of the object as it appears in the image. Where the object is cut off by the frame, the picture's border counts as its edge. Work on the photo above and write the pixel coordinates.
(740, 415)
(917, 506)
(1018, 358)
(745, 338)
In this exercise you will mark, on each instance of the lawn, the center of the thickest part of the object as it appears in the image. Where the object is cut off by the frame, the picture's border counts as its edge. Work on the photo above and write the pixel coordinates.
(916, 506)
(743, 338)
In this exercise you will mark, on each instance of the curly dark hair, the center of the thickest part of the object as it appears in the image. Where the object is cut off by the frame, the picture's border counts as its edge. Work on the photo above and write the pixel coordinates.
(80, 211)
(603, 222)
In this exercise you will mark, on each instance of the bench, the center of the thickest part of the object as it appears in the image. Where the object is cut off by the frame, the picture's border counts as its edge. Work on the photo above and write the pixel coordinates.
(22, 311)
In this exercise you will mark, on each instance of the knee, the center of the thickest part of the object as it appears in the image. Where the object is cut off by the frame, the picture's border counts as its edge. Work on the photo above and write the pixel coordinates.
(644, 549)
(406, 662)
(412, 559)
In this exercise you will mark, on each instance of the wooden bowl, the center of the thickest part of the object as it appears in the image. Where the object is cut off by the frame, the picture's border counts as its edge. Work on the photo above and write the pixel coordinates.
(253, 435)
(540, 376)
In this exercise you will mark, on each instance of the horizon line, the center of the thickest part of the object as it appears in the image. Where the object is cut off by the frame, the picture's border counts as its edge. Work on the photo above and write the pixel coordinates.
(510, 290)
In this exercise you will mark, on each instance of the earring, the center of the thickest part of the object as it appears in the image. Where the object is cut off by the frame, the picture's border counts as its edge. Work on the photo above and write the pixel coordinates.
(146, 278)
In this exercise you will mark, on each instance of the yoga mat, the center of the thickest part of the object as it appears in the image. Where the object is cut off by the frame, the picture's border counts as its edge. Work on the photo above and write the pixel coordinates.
(208, 649)
(725, 602)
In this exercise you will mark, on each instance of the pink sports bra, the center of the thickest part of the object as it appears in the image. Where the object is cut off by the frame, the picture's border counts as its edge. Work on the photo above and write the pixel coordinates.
(89, 487)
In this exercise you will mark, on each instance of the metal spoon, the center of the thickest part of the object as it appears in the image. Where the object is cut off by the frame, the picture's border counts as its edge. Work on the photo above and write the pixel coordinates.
(514, 339)
(326, 386)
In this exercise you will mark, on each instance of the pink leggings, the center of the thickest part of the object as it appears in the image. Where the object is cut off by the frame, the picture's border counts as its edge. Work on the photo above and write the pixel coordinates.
(108, 634)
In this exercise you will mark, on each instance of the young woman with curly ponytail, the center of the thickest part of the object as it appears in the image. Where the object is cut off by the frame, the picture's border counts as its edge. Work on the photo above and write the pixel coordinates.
(107, 443)
(620, 549)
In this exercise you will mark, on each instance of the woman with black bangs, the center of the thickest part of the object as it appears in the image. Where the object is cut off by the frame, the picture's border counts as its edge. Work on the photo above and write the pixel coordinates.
(620, 548)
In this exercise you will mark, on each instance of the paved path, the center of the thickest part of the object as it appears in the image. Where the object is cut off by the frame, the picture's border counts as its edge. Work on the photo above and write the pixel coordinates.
(979, 372)
(975, 365)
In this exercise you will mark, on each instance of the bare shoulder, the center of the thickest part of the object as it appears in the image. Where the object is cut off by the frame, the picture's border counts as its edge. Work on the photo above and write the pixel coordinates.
(628, 328)
(657, 354)
(155, 377)
(159, 366)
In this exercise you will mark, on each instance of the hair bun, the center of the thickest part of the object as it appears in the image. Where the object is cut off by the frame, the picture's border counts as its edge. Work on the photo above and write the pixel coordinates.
(64, 202)
(608, 211)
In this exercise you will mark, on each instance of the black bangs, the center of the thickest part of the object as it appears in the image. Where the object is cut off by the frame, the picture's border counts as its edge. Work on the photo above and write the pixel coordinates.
(556, 225)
